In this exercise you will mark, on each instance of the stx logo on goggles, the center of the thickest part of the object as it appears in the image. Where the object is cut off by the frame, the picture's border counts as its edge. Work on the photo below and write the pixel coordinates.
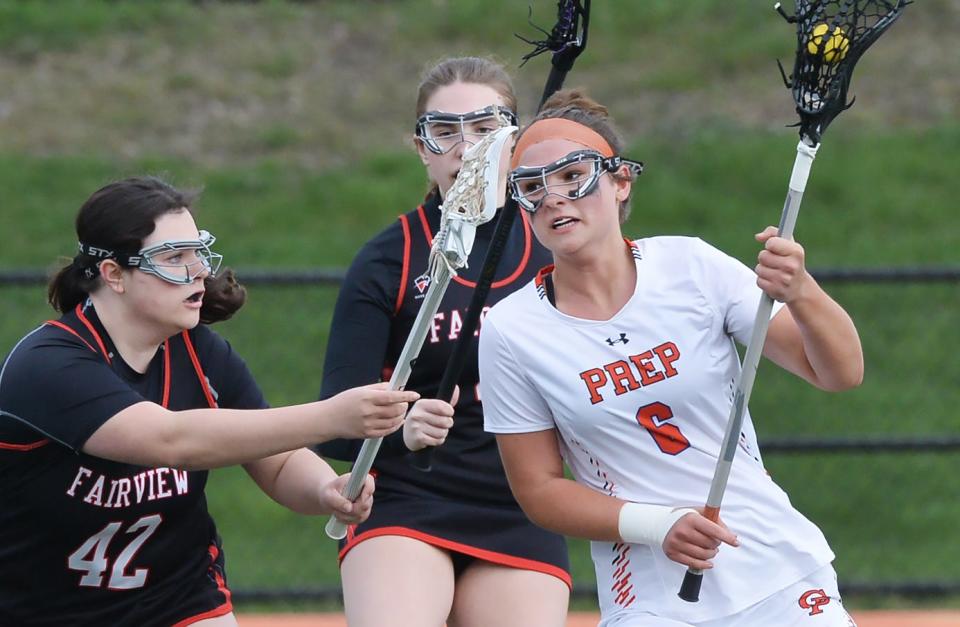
(94, 251)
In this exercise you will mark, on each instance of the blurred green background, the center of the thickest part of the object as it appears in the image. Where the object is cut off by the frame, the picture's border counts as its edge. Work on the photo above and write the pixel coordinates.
(296, 120)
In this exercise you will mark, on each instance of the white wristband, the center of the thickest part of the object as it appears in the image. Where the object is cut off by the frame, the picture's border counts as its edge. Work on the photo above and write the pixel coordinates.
(641, 523)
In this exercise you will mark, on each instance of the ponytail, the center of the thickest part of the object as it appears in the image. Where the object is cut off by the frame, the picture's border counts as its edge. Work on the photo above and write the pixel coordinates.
(223, 297)
(70, 285)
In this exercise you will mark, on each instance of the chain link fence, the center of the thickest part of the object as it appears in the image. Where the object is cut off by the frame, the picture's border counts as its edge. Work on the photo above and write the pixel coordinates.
(877, 468)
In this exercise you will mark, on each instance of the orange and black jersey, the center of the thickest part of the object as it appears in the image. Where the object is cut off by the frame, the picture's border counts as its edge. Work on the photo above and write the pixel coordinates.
(375, 311)
(92, 541)
(464, 504)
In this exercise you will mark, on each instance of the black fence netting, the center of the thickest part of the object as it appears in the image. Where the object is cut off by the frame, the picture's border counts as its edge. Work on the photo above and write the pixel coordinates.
(877, 468)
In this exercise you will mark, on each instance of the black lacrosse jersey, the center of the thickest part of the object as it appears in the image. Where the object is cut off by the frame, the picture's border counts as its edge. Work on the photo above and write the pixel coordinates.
(89, 541)
(464, 502)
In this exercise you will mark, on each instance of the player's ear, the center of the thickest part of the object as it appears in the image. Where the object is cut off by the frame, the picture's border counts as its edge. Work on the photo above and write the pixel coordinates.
(622, 185)
(112, 275)
(422, 151)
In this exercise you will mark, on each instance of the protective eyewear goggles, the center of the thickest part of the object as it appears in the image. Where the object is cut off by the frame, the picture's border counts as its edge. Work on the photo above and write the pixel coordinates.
(571, 177)
(440, 132)
(175, 261)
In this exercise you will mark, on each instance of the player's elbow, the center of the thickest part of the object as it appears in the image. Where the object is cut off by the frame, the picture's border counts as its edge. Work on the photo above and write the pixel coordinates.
(537, 506)
(846, 378)
(853, 379)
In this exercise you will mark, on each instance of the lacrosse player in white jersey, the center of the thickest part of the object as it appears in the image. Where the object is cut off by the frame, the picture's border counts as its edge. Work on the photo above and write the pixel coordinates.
(620, 360)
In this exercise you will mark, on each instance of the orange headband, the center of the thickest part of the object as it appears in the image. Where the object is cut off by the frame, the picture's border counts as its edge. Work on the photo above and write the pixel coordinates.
(559, 128)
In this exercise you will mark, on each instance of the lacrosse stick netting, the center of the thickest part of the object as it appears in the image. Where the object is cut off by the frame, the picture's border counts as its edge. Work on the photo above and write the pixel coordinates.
(832, 35)
(566, 41)
(471, 201)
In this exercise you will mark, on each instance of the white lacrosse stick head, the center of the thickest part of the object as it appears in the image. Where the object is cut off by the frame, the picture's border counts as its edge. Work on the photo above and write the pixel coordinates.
(473, 199)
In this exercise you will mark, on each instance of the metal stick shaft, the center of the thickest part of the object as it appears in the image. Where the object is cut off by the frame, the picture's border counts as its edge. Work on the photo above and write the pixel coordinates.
(398, 380)
(751, 360)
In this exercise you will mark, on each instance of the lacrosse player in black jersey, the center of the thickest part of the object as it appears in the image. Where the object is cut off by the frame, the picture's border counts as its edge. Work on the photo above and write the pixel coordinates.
(450, 544)
(111, 415)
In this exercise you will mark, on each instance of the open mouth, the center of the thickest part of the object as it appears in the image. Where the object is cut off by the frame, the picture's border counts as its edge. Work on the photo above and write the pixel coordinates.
(562, 222)
(196, 297)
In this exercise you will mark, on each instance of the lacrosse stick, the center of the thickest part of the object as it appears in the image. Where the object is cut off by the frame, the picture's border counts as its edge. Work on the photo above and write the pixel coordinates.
(566, 41)
(471, 201)
(832, 35)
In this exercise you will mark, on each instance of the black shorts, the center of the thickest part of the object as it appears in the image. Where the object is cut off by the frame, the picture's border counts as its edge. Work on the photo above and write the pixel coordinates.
(469, 531)
(210, 598)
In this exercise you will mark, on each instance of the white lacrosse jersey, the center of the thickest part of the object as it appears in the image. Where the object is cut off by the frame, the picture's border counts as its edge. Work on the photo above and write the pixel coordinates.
(640, 403)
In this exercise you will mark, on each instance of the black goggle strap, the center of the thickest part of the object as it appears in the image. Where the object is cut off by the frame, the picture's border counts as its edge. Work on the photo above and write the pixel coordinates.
(144, 258)
(98, 254)
(612, 164)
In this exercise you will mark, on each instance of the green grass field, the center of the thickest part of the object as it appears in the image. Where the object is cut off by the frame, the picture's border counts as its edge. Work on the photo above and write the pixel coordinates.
(292, 118)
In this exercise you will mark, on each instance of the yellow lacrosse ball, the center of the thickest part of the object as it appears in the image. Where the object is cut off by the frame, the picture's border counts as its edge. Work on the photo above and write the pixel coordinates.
(835, 47)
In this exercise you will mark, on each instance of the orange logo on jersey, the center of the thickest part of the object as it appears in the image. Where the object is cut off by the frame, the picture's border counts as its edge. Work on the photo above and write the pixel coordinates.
(813, 599)
(621, 372)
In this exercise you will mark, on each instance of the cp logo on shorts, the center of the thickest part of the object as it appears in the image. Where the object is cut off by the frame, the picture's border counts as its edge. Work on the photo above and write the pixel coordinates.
(813, 599)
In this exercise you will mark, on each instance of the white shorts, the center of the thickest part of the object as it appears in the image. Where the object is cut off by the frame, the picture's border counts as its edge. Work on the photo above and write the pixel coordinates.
(812, 602)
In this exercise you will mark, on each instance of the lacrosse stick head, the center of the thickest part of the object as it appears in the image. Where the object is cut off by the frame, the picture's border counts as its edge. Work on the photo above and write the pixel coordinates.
(473, 199)
(568, 37)
(832, 35)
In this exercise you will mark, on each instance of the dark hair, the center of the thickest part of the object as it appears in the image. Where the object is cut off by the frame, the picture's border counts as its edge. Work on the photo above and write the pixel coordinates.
(575, 105)
(118, 217)
(477, 70)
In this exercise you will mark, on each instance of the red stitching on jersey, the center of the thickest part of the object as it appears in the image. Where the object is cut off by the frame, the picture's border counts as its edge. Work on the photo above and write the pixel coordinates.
(166, 374)
(483, 554)
(406, 264)
(93, 331)
(60, 325)
(527, 250)
(7, 446)
(198, 369)
(166, 358)
(621, 582)
(608, 484)
(521, 266)
(425, 225)
(226, 607)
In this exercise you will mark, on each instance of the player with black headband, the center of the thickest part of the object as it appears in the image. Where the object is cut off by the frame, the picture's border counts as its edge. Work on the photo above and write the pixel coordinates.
(439, 545)
(111, 415)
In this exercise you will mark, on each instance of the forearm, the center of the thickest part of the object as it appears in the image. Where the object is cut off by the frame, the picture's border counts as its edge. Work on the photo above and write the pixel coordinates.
(146, 434)
(568, 508)
(205, 438)
(830, 340)
(294, 480)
